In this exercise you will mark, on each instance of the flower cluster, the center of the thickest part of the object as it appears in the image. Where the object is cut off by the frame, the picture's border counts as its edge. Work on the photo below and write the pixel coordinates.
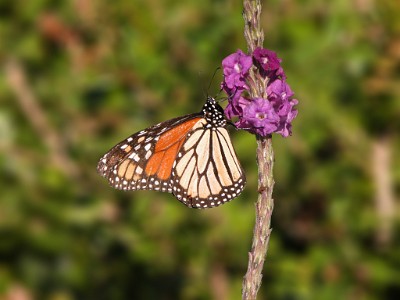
(262, 116)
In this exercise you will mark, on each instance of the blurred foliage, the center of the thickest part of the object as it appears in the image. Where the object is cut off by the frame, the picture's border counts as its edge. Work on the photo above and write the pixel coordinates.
(79, 76)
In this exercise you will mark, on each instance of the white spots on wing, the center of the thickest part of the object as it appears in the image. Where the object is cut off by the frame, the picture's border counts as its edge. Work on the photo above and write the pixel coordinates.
(139, 170)
(148, 154)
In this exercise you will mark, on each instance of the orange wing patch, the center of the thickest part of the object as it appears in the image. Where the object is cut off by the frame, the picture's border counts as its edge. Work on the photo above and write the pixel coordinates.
(170, 137)
(154, 163)
(169, 157)
(166, 150)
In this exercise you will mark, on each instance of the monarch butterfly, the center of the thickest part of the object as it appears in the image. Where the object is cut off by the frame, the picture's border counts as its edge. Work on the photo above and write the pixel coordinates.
(191, 157)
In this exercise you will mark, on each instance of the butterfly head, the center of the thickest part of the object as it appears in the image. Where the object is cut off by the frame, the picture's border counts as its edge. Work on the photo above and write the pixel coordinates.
(214, 113)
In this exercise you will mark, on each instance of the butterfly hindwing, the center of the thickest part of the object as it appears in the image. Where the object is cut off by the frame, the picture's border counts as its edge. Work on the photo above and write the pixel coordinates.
(207, 172)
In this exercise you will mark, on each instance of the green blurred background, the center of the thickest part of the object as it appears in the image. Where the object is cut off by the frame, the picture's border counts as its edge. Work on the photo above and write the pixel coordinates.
(79, 76)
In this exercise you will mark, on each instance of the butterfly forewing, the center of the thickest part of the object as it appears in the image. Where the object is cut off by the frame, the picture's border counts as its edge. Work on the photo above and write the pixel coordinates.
(143, 160)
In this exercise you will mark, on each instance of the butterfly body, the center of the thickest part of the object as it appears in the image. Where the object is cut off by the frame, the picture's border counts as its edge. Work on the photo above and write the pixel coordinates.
(191, 157)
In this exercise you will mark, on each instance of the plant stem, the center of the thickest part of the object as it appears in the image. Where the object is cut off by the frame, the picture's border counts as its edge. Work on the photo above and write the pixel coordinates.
(262, 230)
(265, 160)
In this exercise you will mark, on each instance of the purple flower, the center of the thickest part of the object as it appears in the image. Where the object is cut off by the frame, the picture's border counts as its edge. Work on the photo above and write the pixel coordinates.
(267, 59)
(233, 93)
(269, 63)
(279, 94)
(278, 89)
(260, 117)
(235, 107)
(236, 67)
(286, 118)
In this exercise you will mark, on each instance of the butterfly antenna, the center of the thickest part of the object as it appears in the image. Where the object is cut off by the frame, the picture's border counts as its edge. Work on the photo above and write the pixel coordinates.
(212, 79)
(202, 84)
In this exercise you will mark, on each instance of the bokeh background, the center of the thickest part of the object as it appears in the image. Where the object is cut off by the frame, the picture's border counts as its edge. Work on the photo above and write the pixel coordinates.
(79, 76)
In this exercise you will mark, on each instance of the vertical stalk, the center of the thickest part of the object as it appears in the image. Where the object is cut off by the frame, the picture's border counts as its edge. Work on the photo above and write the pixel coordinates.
(262, 230)
(265, 160)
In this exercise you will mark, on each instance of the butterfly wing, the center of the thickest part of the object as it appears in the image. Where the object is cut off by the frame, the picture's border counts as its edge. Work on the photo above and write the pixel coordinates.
(191, 157)
(144, 160)
(207, 172)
